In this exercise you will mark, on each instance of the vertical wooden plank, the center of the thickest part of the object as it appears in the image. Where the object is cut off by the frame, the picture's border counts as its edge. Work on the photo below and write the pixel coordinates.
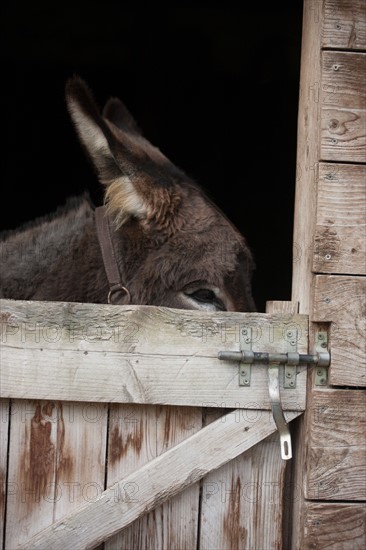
(308, 146)
(308, 155)
(242, 497)
(4, 430)
(136, 435)
(31, 477)
(81, 455)
(289, 491)
(58, 456)
(248, 492)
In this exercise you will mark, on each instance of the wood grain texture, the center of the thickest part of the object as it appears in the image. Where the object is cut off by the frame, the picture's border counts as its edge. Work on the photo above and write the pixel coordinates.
(331, 126)
(248, 492)
(341, 300)
(243, 496)
(4, 429)
(343, 107)
(57, 463)
(279, 306)
(344, 25)
(160, 479)
(336, 458)
(336, 526)
(172, 360)
(308, 144)
(340, 235)
(138, 434)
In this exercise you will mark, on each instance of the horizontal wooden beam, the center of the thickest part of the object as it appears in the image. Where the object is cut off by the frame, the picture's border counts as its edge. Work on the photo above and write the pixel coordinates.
(334, 525)
(336, 445)
(140, 354)
(339, 245)
(341, 301)
(344, 24)
(157, 481)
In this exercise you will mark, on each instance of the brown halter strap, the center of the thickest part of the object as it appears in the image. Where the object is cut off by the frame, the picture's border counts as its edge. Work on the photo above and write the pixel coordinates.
(118, 293)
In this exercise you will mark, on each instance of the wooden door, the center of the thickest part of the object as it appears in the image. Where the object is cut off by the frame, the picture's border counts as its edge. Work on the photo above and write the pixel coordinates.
(165, 464)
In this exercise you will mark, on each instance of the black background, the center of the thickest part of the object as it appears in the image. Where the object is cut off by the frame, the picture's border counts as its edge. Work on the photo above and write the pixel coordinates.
(214, 85)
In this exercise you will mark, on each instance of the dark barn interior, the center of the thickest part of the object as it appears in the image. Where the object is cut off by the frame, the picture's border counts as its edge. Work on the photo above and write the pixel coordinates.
(214, 85)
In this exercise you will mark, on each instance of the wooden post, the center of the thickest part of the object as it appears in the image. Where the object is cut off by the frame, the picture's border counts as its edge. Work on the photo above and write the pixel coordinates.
(329, 274)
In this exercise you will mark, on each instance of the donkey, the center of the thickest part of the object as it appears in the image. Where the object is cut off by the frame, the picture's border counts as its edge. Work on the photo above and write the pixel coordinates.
(158, 239)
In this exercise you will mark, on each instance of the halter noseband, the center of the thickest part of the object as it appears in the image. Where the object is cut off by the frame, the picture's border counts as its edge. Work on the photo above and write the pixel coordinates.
(118, 293)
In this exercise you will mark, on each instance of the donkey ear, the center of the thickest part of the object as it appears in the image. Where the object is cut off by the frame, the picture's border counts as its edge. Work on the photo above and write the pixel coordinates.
(116, 111)
(102, 146)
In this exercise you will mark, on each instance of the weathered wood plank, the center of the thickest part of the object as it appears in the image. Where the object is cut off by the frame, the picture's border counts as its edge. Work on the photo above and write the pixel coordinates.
(343, 101)
(242, 497)
(248, 492)
(174, 359)
(341, 300)
(57, 463)
(340, 236)
(331, 126)
(128, 329)
(308, 147)
(308, 138)
(335, 526)
(139, 434)
(344, 25)
(32, 475)
(336, 457)
(157, 481)
(4, 440)
(146, 380)
(279, 306)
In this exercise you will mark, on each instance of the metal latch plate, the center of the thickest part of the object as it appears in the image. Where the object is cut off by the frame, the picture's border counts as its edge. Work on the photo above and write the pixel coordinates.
(245, 369)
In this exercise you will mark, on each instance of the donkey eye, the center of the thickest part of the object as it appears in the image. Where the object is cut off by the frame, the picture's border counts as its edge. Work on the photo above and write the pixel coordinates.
(207, 296)
(204, 295)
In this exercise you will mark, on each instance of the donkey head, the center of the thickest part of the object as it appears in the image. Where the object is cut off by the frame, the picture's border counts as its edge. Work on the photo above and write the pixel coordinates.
(174, 247)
